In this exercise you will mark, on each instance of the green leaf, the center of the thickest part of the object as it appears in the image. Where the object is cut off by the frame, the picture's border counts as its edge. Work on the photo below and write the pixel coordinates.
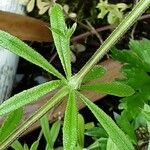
(46, 131)
(124, 123)
(146, 115)
(114, 132)
(50, 134)
(145, 92)
(111, 145)
(89, 125)
(112, 19)
(122, 6)
(139, 121)
(10, 123)
(99, 144)
(55, 131)
(133, 104)
(142, 49)
(113, 9)
(96, 72)
(127, 56)
(70, 123)
(17, 145)
(28, 96)
(71, 30)
(96, 132)
(146, 112)
(62, 44)
(139, 52)
(134, 75)
(102, 6)
(57, 31)
(112, 88)
(26, 147)
(114, 12)
(35, 145)
(18, 47)
(80, 131)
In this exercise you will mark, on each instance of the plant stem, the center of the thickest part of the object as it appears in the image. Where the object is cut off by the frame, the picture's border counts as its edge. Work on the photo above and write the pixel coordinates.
(94, 30)
(37, 115)
(86, 34)
(112, 39)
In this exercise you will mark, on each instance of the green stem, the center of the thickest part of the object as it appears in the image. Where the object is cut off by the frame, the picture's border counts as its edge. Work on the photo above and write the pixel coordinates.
(112, 39)
(37, 115)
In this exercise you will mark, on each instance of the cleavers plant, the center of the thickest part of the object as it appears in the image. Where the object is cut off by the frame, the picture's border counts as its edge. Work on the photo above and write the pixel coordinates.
(70, 85)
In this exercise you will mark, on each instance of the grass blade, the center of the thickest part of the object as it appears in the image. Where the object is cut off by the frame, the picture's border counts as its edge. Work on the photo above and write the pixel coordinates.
(17, 145)
(70, 123)
(116, 134)
(81, 129)
(46, 131)
(18, 47)
(28, 96)
(55, 131)
(35, 145)
(112, 88)
(26, 147)
(96, 72)
(111, 145)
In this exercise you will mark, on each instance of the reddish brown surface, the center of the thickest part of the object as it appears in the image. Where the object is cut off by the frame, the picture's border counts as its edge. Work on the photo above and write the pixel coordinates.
(25, 28)
(31, 29)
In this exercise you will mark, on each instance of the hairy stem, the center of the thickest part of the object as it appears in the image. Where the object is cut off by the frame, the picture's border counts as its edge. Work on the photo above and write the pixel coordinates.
(112, 39)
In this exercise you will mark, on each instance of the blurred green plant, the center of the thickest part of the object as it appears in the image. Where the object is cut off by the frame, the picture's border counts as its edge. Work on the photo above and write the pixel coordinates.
(69, 85)
(114, 12)
(50, 135)
(136, 69)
